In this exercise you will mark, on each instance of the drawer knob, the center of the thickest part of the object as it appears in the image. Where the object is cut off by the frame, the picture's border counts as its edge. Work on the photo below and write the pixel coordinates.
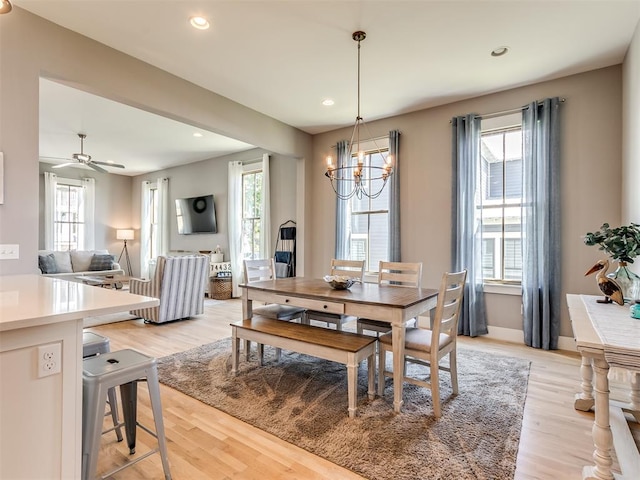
(286, 300)
(325, 307)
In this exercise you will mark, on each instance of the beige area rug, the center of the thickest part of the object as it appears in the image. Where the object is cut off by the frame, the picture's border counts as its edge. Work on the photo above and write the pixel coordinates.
(303, 400)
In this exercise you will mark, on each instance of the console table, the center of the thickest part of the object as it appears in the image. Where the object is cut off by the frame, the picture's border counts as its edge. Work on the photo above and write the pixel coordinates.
(606, 336)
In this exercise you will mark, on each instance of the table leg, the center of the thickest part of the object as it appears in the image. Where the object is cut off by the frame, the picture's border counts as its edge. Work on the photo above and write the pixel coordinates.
(634, 396)
(584, 401)
(397, 338)
(235, 351)
(602, 436)
(247, 312)
(352, 384)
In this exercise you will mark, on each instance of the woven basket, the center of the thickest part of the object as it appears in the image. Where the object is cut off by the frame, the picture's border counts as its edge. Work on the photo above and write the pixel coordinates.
(220, 288)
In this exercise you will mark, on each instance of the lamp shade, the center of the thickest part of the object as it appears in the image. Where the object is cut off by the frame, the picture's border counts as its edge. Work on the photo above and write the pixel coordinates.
(124, 234)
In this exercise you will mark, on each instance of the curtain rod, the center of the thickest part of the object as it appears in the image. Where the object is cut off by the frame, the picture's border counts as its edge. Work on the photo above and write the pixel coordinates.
(507, 112)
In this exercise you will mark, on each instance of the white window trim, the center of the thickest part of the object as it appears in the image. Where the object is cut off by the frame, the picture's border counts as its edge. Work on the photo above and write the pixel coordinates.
(502, 288)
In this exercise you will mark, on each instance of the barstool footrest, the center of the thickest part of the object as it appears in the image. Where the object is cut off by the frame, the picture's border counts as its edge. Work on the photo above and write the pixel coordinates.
(129, 464)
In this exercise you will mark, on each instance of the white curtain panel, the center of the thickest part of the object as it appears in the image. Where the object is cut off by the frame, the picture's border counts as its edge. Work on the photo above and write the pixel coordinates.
(235, 224)
(145, 226)
(88, 212)
(50, 184)
(265, 218)
(162, 238)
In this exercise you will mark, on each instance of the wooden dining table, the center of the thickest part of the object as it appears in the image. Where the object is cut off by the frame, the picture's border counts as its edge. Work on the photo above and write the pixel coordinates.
(396, 305)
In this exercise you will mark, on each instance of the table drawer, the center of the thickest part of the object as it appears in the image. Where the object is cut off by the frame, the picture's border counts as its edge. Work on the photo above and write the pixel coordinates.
(309, 304)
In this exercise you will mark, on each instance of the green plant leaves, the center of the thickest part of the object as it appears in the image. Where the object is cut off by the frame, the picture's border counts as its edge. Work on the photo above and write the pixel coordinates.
(621, 243)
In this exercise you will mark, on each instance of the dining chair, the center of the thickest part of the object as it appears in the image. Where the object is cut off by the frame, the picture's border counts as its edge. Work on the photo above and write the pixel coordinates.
(265, 269)
(397, 274)
(347, 268)
(428, 347)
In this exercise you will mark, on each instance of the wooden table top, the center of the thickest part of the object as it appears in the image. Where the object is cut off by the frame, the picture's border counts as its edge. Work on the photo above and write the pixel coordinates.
(365, 293)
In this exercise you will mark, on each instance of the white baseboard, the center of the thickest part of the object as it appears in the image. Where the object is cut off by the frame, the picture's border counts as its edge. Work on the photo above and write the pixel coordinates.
(517, 336)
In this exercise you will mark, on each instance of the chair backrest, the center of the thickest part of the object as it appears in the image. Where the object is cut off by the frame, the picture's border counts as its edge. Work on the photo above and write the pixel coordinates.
(400, 274)
(348, 268)
(257, 270)
(182, 283)
(447, 312)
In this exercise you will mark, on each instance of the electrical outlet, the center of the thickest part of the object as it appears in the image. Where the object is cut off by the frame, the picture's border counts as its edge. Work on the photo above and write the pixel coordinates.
(49, 359)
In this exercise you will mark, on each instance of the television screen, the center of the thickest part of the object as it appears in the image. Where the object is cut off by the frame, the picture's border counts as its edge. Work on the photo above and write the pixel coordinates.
(196, 215)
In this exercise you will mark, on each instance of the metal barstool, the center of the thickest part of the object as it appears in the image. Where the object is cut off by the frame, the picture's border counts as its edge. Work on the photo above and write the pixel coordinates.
(123, 368)
(92, 345)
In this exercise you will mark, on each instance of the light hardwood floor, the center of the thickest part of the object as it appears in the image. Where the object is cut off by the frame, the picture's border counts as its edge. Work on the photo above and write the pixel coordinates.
(205, 443)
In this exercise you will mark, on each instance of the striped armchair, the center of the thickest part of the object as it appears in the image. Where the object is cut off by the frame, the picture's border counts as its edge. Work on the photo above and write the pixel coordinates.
(179, 283)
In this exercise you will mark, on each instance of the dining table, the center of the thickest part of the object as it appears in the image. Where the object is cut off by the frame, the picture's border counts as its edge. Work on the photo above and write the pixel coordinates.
(394, 304)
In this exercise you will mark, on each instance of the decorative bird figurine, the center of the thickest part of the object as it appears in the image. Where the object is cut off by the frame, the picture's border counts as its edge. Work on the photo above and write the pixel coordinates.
(608, 286)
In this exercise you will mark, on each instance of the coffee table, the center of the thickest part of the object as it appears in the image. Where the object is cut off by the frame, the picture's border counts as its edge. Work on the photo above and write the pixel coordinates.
(111, 281)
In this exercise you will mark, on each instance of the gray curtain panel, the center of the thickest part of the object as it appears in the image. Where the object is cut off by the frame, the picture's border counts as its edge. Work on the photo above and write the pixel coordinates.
(394, 198)
(467, 222)
(343, 154)
(541, 224)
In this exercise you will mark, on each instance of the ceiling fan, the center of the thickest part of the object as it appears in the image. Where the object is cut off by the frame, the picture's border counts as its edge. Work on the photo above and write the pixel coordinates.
(85, 159)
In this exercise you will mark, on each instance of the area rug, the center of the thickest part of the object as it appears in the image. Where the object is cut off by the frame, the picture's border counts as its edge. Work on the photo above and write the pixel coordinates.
(303, 400)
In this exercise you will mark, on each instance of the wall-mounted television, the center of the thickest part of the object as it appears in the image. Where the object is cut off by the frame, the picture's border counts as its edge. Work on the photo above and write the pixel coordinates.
(196, 215)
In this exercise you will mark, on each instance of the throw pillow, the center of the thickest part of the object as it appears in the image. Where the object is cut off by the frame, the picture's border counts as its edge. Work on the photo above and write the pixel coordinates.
(47, 263)
(63, 261)
(101, 262)
(81, 259)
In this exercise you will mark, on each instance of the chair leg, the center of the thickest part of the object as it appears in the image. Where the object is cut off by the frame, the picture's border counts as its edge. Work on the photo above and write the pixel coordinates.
(435, 387)
(381, 364)
(156, 406)
(113, 406)
(453, 364)
(129, 396)
(359, 328)
(339, 325)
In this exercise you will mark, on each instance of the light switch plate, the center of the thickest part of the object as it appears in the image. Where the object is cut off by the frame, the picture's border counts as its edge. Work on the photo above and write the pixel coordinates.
(9, 252)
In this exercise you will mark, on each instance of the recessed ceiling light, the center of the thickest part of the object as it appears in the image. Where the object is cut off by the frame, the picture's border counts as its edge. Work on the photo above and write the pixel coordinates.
(200, 23)
(328, 102)
(197, 134)
(498, 52)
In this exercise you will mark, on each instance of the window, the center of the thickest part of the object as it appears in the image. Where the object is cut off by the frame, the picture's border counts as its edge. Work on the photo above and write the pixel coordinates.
(368, 219)
(251, 214)
(501, 171)
(69, 219)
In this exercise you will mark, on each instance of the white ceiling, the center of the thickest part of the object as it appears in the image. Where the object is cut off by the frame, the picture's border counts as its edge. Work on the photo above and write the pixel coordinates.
(282, 58)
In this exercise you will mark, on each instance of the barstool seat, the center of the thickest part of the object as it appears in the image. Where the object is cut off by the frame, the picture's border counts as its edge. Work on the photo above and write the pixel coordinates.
(92, 345)
(123, 368)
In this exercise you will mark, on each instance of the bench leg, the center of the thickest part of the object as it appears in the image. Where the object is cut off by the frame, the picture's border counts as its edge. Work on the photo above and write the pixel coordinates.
(371, 371)
(261, 353)
(235, 351)
(352, 384)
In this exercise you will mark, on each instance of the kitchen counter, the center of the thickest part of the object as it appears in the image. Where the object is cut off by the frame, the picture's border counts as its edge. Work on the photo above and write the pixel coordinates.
(41, 414)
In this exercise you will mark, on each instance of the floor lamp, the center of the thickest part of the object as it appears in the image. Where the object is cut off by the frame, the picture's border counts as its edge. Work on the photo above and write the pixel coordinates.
(125, 235)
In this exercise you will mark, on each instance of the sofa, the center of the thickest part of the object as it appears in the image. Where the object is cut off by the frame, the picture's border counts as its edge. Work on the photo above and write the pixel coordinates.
(179, 283)
(68, 265)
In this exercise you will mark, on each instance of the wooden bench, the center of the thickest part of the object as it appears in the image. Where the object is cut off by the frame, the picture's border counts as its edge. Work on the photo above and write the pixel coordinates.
(343, 347)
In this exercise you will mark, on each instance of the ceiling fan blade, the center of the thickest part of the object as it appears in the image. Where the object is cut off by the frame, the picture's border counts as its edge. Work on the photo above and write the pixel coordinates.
(96, 167)
(117, 165)
(64, 165)
(55, 158)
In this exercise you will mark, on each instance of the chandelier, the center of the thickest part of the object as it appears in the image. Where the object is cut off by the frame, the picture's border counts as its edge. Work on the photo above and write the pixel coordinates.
(359, 179)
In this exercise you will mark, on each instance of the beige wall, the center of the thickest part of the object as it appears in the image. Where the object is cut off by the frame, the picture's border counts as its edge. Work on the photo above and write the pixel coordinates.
(211, 177)
(631, 135)
(31, 46)
(591, 173)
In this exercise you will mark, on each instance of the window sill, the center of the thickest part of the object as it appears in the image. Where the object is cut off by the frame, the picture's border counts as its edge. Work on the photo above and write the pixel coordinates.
(501, 289)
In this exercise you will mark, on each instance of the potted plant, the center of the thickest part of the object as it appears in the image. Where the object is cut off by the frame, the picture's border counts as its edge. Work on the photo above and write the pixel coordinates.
(623, 245)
